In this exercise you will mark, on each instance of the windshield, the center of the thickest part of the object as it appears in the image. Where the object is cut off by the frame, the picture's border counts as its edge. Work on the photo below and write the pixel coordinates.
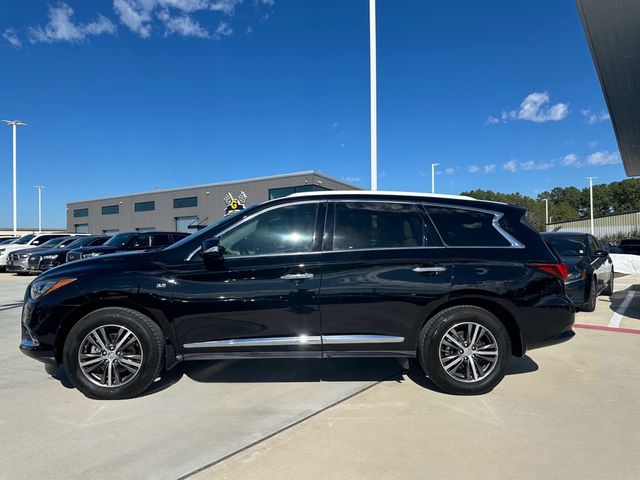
(80, 242)
(24, 240)
(7, 240)
(204, 231)
(120, 240)
(569, 246)
(53, 242)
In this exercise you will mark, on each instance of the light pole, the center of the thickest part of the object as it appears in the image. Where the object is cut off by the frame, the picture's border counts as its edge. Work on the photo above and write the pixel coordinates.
(591, 199)
(433, 177)
(39, 187)
(373, 95)
(14, 124)
(546, 213)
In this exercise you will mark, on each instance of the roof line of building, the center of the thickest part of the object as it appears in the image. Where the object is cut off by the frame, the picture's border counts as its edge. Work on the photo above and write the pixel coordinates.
(218, 184)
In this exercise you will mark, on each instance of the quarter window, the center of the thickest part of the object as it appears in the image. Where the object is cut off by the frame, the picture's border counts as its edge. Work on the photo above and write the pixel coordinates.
(288, 229)
(81, 212)
(365, 225)
(466, 228)
(145, 206)
(185, 202)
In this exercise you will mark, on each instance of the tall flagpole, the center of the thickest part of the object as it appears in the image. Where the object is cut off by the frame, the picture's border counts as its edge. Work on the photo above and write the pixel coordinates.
(373, 95)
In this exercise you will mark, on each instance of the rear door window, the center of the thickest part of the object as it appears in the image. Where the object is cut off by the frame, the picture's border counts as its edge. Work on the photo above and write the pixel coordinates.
(460, 227)
(371, 225)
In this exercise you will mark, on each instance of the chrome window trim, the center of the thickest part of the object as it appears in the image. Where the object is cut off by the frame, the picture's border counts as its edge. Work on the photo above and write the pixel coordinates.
(299, 340)
(497, 216)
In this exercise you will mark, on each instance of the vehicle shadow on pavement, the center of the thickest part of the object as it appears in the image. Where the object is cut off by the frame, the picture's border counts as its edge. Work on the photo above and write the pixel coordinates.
(616, 300)
(300, 370)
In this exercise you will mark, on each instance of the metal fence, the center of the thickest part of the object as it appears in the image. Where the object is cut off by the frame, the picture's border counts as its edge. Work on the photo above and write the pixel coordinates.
(602, 226)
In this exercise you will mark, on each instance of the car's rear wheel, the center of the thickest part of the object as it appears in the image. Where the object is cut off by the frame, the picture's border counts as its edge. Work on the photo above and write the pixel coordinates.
(590, 306)
(464, 350)
(113, 353)
(609, 288)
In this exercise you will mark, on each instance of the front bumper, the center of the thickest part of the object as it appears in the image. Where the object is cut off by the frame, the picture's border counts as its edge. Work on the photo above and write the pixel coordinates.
(18, 264)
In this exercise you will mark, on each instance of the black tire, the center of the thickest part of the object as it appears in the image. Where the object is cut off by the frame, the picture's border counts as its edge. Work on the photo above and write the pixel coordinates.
(149, 342)
(430, 343)
(608, 290)
(590, 306)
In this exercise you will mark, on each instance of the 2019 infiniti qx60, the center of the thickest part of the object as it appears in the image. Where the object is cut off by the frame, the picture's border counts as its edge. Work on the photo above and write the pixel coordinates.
(458, 283)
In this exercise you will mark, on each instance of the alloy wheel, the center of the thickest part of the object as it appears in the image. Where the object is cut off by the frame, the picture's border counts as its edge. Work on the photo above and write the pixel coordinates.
(110, 356)
(468, 352)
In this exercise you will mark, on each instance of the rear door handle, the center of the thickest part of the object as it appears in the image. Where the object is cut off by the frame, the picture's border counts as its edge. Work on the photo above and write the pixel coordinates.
(297, 276)
(434, 270)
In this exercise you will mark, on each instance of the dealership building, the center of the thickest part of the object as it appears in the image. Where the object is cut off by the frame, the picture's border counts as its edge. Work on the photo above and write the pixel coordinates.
(190, 208)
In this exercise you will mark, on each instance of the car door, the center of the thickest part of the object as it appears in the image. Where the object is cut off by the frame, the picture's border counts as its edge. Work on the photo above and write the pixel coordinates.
(384, 269)
(262, 297)
(601, 265)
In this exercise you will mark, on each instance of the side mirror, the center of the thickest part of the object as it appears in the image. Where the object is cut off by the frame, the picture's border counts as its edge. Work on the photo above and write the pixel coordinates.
(601, 253)
(211, 252)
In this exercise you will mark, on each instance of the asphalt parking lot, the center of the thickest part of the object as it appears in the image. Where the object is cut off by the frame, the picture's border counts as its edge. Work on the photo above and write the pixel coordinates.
(568, 411)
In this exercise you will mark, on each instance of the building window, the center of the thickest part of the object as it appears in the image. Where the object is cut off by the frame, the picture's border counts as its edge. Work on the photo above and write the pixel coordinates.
(284, 191)
(145, 206)
(185, 202)
(111, 209)
(81, 212)
(82, 228)
(186, 224)
(145, 229)
(110, 232)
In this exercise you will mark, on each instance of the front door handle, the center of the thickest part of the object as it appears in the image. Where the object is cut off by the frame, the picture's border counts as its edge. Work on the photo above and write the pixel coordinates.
(297, 276)
(434, 270)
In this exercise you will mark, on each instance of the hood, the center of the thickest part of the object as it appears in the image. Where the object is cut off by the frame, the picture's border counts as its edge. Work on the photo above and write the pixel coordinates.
(48, 251)
(96, 249)
(14, 248)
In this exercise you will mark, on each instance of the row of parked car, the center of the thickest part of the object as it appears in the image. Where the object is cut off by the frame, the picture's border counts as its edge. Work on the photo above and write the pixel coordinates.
(38, 252)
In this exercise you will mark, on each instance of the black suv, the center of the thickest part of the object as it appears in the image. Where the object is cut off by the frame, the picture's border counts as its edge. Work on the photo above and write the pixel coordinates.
(461, 284)
(122, 242)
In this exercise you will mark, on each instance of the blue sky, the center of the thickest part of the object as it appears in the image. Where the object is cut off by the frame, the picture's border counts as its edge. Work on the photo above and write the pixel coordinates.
(124, 96)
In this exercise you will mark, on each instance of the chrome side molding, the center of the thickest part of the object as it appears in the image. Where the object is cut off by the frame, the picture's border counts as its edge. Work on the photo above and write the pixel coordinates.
(299, 340)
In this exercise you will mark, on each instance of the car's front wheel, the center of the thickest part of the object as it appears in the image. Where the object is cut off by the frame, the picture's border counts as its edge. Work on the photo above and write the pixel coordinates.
(464, 350)
(113, 353)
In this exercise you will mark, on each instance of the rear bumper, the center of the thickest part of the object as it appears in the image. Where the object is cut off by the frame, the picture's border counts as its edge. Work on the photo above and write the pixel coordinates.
(549, 322)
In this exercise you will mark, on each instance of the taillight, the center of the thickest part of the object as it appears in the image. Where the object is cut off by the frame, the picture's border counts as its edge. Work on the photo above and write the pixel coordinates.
(560, 270)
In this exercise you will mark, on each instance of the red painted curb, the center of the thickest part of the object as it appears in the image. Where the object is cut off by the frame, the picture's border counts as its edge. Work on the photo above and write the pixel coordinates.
(606, 329)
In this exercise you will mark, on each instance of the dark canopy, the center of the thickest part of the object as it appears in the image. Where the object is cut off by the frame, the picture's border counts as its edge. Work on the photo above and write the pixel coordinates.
(613, 32)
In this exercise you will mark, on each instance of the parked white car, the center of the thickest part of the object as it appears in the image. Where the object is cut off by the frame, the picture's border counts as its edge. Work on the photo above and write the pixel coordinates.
(28, 241)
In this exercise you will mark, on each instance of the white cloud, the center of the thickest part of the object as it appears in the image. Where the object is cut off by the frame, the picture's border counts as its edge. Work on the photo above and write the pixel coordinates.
(511, 166)
(351, 179)
(514, 166)
(182, 25)
(61, 28)
(11, 36)
(489, 168)
(593, 143)
(176, 16)
(474, 169)
(534, 108)
(449, 171)
(570, 160)
(603, 158)
(591, 118)
(224, 30)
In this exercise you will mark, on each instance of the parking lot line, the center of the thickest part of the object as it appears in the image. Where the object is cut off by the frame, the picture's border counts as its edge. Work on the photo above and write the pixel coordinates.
(618, 314)
(607, 329)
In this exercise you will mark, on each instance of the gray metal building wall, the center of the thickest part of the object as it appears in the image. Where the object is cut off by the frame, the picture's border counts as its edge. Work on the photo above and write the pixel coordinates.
(211, 203)
(609, 225)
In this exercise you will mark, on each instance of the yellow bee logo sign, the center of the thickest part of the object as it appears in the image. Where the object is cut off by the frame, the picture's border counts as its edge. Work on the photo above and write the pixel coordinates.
(234, 204)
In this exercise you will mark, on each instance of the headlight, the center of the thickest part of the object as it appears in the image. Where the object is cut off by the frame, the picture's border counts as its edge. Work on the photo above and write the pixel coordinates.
(93, 254)
(44, 287)
(24, 255)
(49, 257)
(2, 250)
(575, 276)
